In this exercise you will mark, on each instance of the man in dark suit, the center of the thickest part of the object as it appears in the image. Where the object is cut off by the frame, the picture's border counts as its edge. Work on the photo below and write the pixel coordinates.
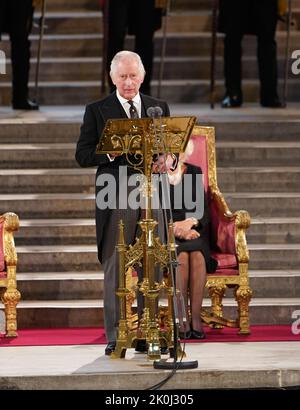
(258, 17)
(127, 73)
(16, 19)
(140, 18)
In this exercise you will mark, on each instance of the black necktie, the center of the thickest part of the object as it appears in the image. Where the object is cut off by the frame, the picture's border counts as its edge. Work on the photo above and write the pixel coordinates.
(132, 110)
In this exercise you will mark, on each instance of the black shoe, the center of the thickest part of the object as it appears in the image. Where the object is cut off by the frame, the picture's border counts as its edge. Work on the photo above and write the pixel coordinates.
(231, 101)
(110, 348)
(198, 334)
(274, 103)
(185, 335)
(141, 346)
(25, 105)
(164, 350)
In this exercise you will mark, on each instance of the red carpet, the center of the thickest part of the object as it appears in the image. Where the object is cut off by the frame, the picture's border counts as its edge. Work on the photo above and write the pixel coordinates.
(87, 336)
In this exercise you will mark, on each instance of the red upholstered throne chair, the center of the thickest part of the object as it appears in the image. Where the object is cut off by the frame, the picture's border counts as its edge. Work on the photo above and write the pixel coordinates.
(10, 296)
(227, 237)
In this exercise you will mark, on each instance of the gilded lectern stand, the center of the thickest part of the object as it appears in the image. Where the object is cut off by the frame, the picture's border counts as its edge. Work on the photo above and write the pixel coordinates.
(139, 140)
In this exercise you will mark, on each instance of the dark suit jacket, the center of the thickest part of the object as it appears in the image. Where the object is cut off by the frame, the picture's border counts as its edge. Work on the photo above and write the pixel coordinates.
(95, 117)
(246, 16)
(8, 11)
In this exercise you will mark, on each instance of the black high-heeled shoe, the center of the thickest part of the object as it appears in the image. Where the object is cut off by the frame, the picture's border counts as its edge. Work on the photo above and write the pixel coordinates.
(196, 334)
(185, 335)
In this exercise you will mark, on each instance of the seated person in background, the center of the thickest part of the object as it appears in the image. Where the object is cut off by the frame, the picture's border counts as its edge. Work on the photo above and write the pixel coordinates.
(192, 238)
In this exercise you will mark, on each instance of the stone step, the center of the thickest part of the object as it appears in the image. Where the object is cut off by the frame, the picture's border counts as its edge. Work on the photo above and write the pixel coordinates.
(60, 313)
(76, 22)
(259, 179)
(65, 5)
(258, 153)
(274, 230)
(63, 124)
(28, 130)
(275, 283)
(60, 285)
(33, 155)
(62, 155)
(85, 5)
(173, 91)
(84, 257)
(265, 204)
(56, 232)
(175, 68)
(71, 22)
(74, 313)
(89, 285)
(69, 205)
(48, 180)
(228, 129)
(58, 258)
(82, 180)
(50, 205)
(274, 256)
(82, 231)
(181, 44)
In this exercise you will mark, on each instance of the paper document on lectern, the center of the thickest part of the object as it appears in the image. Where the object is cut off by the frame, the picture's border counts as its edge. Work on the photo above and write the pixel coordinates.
(129, 136)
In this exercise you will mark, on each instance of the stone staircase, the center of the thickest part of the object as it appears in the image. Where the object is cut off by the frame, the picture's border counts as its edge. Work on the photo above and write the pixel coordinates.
(58, 273)
(71, 62)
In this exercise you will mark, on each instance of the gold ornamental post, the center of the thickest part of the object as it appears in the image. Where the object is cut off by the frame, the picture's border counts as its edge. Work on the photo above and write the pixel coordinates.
(139, 140)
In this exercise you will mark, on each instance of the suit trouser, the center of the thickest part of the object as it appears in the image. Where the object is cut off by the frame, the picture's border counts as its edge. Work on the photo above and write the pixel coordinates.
(19, 15)
(110, 261)
(119, 14)
(265, 13)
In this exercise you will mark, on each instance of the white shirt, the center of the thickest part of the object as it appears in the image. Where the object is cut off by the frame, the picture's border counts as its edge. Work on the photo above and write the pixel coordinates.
(136, 102)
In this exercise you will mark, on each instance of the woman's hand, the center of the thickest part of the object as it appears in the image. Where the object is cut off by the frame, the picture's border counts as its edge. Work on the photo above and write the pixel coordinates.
(192, 235)
(183, 229)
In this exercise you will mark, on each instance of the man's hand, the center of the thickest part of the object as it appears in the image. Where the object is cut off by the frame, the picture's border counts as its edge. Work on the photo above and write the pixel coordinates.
(111, 157)
(162, 164)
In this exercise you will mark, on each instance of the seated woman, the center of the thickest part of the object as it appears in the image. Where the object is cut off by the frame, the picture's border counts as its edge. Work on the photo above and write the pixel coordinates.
(192, 238)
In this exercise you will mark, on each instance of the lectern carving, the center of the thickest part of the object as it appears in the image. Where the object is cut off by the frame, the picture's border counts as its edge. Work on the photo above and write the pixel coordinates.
(139, 140)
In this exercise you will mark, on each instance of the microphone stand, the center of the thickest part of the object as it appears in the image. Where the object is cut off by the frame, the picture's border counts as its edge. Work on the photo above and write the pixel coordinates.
(156, 112)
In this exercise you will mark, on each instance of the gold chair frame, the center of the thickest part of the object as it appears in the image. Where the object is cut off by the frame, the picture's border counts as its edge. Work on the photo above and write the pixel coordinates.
(10, 296)
(216, 283)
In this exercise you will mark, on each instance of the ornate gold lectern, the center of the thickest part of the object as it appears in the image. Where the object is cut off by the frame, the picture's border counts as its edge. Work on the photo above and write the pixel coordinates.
(139, 140)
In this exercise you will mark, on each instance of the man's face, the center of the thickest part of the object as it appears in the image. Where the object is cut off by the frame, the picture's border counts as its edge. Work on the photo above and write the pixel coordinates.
(128, 78)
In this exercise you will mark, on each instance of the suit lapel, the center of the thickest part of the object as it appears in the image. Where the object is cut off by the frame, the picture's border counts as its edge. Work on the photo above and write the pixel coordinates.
(146, 102)
(112, 108)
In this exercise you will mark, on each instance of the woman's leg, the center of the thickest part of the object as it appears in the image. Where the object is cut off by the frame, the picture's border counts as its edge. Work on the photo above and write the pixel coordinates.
(183, 282)
(197, 285)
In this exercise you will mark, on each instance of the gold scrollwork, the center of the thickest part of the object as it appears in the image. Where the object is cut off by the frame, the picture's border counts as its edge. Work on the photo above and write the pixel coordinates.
(10, 296)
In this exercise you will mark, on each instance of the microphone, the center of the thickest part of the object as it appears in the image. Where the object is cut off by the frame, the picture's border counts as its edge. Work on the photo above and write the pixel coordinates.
(154, 112)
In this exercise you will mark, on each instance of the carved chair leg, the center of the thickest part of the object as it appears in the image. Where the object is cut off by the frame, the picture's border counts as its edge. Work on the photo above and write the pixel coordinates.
(216, 294)
(10, 300)
(243, 296)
